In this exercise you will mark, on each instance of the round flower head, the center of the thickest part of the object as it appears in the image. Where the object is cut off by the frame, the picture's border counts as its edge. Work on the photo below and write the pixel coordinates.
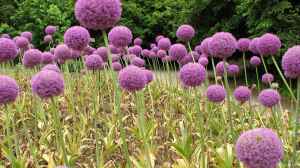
(139, 62)
(136, 50)
(177, 51)
(27, 35)
(47, 84)
(114, 49)
(98, 14)
(220, 68)
(77, 38)
(50, 30)
(155, 49)
(62, 52)
(51, 67)
(291, 62)
(242, 94)
(5, 36)
(192, 75)
(9, 90)
(157, 38)
(222, 45)
(255, 61)
(48, 39)
(267, 78)
(290, 75)
(145, 52)
(233, 70)
(32, 58)
(47, 58)
(253, 46)
(22, 42)
(216, 93)
(132, 78)
(203, 61)
(8, 49)
(268, 44)
(94, 62)
(191, 57)
(116, 66)
(149, 76)
(161, 53)
(185, 32)
(204, 46)
(259, 148)
(164, 44)
(243, 44)
(75, 54)
(138, 41)
(103, 53)
(198, 49)
(152, 45)
(89, 50)
(115, 57)
(152, 54)
(120, 36)
(269, 97)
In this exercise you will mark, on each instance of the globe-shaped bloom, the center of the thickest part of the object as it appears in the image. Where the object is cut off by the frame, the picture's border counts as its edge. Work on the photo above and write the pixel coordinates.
(290, 75)
(191, 57)
(203, 61)
(47, 84)
(51, 67)
(8, 49)
(220, 68)
(139, 62)
(198, 49)
(116, 66)
(242, 94)
(103, 53)
(259, 148)
(185, 32)
(192, 75)
(50, 30)
(222, 45)
(22, 42)
(216, 93)
(291, 62)
(114, 49)
(268, 44)
(204, 46)
(145, 52)
(115, 57)
(48, 39)
(177, 51)
(138, 41)
(132, 78)
(75, 54)
(233, 70)
(157, 38)
(120, 36)
(149, 76)
(255, 61)
(253, 46)
(243, 44)
(62, 52)
(32, 57)
(98, 14)
(9, 90)
(136, 50)
(269, 97)
(164, 44)
(267, 78)
(93, 62)
(27, 35)
(47, 58)
(161, 53)
(77, 38)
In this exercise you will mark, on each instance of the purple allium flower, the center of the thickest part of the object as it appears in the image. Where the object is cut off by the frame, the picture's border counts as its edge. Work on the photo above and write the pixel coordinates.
(136, 50)
(267, 78)
(138, 41)
(269, 97)
(243, 44)
(145, 52)
(233, 70)
(132, 78)
(161, 53)
(255, 61)
(155, 49)
(177, 51)
(47, 58)
(204, 55)
(192, 75)
(191, 57)
(94, 62)
(242, 94)
(216, 93)
(51, 67)
(222, 45)
(5, 36)
(8, 49)
(62, 52)
(203, 61)
(47, 84)
(185, 32)
(9, 90)
(137, 61)
(152, 45)
(75, 54)
(32, 58)
(115, 57)
(220, 68)
(98, 15)
(89, 50)
(48, 39)
(259, 148)
(116, 66)
(149, 76)
(157, 38)
(77, 38)
(253, 45)
(198, 49)
(290, 75)
(103, 53)
(291, 62)
(164, 44)
(120, 36)
(268, 44)
(152, 54)
(22, 42)
(50, 30)
(114, 49)
(204, 46)
(27, 35)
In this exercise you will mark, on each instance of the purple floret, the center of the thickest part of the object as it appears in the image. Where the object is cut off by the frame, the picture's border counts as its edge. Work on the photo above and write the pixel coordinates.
(161, 53)
(185, 32)
(216, 93)
(48, 39)
(132, 78)
(139, 62)
(253, 46)
(47, 58)
(157, 38)
(222, 45)
(259, 148)
(145, 52)
(192, 75)
(204, 46)
(242, 94)
(243, 44)
(255, 61)
(138, 41)
(94, 62)
(164, 44)
(22, 42)
(267, 78)
(103, 53)
(291, 62)
(77, 38)
(27, 35)
(136, 50)
(50, 30)
(62, 52)
(149, 76)
(269, 97)
(51, 67)
(220, 68)
(9, 90)
(203, 61)
(32, 57)
(177, 51)
(8, 50)
(117, 66)
(120, 36)
(233, 70)
(268, 44)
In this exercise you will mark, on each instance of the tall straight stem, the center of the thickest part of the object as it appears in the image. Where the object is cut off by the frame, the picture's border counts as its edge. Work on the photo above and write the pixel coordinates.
(296, 125)
(191, 51)
(245, 68)
(257, 78)
(228, 96)
(214, 69)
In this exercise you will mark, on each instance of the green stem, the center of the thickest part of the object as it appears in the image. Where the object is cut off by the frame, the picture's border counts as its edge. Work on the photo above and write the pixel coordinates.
(296, 126)
(245, 68)
(257, 78)
(264, 64)
(214, 69)
(228, 97)
(191, 51)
